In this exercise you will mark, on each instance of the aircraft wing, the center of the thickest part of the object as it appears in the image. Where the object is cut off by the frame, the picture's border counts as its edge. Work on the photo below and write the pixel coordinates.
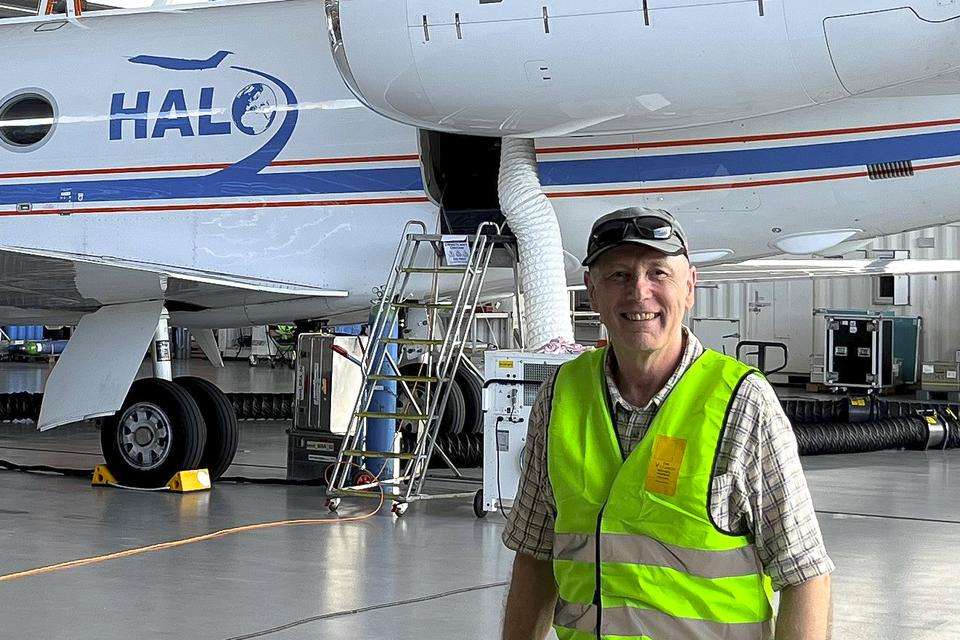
(785, 269)
(38, 285)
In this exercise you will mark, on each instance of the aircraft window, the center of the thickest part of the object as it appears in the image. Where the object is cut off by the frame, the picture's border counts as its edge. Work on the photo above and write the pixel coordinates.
(25, 120)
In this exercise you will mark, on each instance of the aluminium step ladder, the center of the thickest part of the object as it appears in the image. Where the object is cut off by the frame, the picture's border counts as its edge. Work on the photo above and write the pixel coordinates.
(448, 258)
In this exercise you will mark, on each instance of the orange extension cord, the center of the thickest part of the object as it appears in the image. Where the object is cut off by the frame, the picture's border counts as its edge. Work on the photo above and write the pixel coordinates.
(82, 562)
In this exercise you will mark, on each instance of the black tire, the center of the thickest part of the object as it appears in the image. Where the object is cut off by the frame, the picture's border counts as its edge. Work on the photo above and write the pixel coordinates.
(223, 430)
(471, 385)
(478, 504)
(453, 414)
(180, 442)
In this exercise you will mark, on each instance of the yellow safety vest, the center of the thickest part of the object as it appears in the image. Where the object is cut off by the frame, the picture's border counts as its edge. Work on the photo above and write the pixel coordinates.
(636, 552)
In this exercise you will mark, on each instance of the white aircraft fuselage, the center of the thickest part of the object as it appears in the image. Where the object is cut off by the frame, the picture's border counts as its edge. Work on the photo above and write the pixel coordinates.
(222, 139)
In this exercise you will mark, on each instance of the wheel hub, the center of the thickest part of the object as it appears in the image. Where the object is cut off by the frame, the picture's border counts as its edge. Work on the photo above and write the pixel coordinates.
(144, 436)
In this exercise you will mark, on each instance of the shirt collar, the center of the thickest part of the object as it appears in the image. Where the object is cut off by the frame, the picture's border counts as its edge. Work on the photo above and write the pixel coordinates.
(691, 351)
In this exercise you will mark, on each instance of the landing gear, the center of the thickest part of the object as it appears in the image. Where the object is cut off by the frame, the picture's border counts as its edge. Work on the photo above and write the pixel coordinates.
(400, 508)
(158, 431)
(223, 431)
(167, 426)
(333, 504)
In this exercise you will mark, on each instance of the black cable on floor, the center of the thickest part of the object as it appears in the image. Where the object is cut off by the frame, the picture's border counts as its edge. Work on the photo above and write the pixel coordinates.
(87, 473)
(374, 607)
(885, 517)
(316, 482)
(73, 473)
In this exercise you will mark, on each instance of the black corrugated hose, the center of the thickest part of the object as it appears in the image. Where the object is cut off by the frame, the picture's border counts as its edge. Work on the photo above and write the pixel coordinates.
(815, 410)
(465, 450)
(249, 406)
(876, 435)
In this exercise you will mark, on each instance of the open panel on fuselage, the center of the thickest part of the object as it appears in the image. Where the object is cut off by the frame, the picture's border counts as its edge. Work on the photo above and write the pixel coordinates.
(26, 8)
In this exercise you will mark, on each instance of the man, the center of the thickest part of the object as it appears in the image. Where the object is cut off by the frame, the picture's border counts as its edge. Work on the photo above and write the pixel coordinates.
(663, 496)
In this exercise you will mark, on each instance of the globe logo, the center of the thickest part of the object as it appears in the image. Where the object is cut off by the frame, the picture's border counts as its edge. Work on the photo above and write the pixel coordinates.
(254, 108)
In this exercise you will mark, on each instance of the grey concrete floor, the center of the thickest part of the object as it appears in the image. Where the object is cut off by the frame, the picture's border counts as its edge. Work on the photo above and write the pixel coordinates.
(891, 522)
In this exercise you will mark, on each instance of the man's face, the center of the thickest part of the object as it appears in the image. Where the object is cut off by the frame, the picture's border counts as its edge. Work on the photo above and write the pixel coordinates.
(641, 296)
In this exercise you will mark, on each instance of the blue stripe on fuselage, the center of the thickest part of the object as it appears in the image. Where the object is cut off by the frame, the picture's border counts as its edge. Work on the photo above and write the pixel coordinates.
(686, 166)
(216, 185)
(689, 166)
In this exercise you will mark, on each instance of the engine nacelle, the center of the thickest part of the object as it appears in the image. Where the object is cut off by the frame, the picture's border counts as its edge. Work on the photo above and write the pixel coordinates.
(550, 68)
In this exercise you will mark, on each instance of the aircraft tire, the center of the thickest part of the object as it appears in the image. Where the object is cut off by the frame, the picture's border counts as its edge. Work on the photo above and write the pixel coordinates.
(453, 415)
(223, 430)
(158, 431)
(472, 388)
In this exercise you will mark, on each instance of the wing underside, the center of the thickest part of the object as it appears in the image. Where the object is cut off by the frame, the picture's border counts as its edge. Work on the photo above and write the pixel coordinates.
(46, 287)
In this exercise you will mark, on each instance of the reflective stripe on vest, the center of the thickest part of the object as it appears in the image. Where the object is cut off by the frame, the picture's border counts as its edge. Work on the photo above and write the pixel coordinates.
(640, 549)
(665, 570)
(625, 621)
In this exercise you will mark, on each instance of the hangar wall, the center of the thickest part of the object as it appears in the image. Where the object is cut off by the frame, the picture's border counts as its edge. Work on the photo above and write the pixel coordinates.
(783, 311)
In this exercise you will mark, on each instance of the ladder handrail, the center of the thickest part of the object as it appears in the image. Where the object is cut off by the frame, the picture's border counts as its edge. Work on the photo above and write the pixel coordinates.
(365, 396)
(442, 362)
(482, 251)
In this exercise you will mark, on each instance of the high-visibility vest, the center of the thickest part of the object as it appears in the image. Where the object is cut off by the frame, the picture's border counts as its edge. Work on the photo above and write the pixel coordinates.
(636, 551)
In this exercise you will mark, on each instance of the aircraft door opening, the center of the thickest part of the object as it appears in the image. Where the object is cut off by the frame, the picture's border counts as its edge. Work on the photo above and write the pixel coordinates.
(460, 176)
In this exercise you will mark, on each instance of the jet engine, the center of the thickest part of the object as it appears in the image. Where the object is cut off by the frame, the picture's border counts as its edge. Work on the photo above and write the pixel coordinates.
(548, 68)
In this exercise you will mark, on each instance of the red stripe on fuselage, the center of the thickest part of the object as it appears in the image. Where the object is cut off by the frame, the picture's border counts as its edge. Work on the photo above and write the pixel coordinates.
(198, 167)
(424, 200)
(767, 137)
(543, 151)
(222, 205)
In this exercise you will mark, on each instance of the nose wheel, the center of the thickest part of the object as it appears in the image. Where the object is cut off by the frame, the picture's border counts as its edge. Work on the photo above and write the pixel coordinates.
(400, 508)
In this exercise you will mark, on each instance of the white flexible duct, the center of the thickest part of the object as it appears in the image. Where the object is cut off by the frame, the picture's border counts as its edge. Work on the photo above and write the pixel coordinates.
(534, 222)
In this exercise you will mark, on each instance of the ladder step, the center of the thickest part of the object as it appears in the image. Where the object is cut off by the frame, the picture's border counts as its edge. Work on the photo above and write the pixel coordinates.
(440, 269)
(417, 341)
(436, 237)
(423, 305)
(355, 453)
(384, 378)
(356, 493)
(391, 416)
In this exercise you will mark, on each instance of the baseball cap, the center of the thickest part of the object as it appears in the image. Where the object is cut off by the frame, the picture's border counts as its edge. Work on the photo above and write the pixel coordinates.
(654, 228)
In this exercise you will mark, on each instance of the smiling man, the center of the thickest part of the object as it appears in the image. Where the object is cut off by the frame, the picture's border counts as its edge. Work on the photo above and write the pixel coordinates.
(663, 497)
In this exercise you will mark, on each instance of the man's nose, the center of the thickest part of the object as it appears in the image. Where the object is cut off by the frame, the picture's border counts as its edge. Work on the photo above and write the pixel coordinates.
(641, 289)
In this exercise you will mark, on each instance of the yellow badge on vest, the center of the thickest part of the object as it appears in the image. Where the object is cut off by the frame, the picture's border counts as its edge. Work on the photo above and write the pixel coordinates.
(664, 467)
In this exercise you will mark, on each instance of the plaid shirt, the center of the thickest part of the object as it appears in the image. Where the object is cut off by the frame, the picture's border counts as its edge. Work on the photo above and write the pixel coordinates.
(758, 487)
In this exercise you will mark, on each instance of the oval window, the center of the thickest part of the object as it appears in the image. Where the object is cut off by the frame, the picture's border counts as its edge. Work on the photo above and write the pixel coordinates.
(25, 120)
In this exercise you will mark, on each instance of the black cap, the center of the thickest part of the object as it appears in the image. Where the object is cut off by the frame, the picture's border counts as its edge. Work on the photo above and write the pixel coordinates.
(654, 228)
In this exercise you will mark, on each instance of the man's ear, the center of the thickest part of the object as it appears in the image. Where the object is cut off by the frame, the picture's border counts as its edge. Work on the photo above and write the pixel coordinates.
(590, 287)
(691, 287)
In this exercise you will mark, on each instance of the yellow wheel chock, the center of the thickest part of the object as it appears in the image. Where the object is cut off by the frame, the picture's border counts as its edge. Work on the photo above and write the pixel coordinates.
(181, 482)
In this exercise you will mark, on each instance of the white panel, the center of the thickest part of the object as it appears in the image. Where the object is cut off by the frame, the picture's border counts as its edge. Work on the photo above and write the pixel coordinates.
(932, 297)
(208, 344)
(95, 371)
(884, 48)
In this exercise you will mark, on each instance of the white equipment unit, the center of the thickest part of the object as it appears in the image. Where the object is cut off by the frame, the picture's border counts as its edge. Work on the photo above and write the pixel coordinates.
(249, 343)
(506, 412)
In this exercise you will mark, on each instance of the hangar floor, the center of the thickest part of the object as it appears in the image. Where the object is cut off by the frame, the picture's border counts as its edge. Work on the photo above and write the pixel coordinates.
(890, 522)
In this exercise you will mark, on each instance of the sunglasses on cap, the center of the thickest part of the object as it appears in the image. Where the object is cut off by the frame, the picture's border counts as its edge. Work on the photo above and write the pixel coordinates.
(653, 228)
